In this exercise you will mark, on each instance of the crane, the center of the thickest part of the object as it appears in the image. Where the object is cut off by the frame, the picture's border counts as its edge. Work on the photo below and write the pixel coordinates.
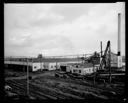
(105, 59)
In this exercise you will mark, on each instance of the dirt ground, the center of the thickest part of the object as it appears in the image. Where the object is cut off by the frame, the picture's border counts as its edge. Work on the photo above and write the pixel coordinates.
(46, 86)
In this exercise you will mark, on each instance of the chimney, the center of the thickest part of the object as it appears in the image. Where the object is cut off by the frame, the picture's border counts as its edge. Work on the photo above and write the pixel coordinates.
(119, 58)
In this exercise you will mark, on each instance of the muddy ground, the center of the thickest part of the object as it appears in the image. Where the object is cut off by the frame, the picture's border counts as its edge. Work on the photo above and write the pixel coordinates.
(45, 85)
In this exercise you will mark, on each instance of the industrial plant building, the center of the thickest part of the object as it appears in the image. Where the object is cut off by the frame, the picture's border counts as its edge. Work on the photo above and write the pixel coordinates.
(72, 65)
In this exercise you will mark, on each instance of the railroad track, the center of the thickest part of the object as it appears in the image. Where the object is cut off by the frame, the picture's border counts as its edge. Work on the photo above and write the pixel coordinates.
(50, 93)
(95, 89)
(79, 82)
(53, 92)
(18, 87)
(39, 88)
(79, 93)
(46, 92)
(60, 94)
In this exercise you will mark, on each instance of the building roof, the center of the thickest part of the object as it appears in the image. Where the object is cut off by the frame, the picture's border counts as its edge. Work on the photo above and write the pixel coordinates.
(44, 59)
(55, 60)
(80, 65)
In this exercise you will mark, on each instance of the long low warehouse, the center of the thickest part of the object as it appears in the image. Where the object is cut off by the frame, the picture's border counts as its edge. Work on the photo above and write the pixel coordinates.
(37, 65)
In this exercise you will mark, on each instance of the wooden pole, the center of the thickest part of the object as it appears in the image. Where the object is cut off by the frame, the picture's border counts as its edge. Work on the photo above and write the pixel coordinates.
(40, 64)
(110, 64)
(101, 54)
(56, 66)
(101, 48)
(24, 65)
(27, 78)
(94, 73)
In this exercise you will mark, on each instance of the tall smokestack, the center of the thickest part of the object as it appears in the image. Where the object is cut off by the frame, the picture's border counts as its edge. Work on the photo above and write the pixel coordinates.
(119, 42)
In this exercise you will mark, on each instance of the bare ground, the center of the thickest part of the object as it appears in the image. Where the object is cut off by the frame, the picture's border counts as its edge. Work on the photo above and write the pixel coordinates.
(47, 86)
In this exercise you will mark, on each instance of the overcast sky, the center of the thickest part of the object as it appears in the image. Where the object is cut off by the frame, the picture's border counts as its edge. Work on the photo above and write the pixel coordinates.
(62, 29)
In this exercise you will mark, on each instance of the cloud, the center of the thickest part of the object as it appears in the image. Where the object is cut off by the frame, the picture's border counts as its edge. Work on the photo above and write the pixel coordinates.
(61, 28)
(47, 20)
(71, 11)
(22, 15)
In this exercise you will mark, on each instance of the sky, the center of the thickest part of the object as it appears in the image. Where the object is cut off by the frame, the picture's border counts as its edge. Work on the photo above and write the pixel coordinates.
(61, 29)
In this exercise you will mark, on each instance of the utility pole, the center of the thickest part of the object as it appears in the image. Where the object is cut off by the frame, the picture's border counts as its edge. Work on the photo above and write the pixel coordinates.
(78, 58)
(56, 66)
(101, 47)
(27, 78)
(23, 65)
(40, 65)
(101, 54)
(93, 62)
(94, 74)
(110, 78)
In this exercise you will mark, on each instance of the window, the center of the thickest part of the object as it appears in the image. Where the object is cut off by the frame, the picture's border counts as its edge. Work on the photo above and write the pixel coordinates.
(34, 66)
(79, 71)
(51, 66)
